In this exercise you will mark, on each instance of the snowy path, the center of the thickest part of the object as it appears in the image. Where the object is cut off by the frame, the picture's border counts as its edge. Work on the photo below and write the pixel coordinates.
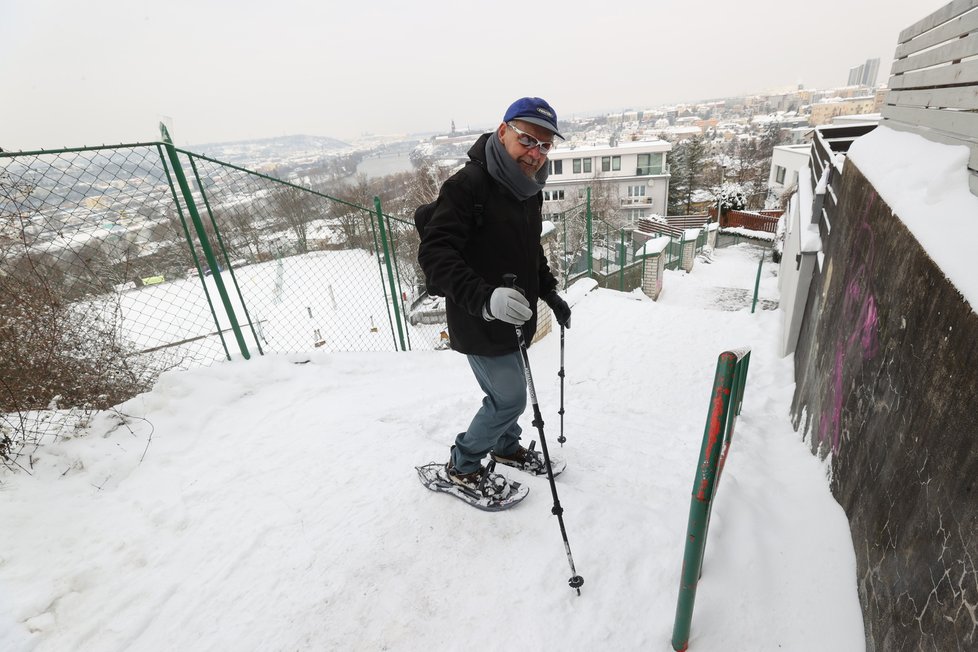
(277, 507)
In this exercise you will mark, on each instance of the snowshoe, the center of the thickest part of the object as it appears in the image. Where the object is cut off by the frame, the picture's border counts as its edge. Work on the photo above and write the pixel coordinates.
(482, 489)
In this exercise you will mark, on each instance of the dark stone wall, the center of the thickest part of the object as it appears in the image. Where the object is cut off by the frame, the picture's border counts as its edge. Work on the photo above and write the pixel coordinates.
(886, 374)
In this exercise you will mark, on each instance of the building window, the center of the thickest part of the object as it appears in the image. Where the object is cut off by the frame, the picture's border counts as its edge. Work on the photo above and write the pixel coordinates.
(610, 163)
(649, 164)
(581, 193)
(636, 191)
(581, 165)
(779, 174)
(553, 195)
(556, 167)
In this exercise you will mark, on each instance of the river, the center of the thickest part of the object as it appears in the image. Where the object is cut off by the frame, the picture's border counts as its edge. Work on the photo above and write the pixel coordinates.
(381, 166)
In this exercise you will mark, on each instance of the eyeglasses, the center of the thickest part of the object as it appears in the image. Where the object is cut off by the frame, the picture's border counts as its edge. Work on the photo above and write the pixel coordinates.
(529, 142)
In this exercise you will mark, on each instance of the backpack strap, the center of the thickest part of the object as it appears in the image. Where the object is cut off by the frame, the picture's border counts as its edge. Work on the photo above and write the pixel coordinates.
(480, 175)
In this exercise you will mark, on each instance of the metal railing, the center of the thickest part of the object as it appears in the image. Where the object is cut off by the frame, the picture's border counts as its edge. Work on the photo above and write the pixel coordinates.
(675, 253)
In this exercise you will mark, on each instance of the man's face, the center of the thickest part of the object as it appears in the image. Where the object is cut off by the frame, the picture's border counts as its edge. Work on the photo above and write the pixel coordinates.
(530, 159)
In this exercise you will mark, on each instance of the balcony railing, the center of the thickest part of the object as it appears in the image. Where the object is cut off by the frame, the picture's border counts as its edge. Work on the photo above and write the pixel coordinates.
(636, 201)
(651, 170)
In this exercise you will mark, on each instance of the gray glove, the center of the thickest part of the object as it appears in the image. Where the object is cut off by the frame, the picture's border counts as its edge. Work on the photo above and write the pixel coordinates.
(508, 305)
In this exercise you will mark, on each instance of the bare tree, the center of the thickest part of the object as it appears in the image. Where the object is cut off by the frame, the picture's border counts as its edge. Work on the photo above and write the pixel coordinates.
(296, 208)
(606, 202)
(244, 238)
(355, 214)
(60, 343)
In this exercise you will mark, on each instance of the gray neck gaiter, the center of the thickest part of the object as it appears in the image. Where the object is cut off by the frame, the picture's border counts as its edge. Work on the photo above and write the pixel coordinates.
(506, 171)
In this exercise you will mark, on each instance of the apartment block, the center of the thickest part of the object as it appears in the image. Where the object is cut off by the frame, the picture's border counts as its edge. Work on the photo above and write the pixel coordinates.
(634, 174)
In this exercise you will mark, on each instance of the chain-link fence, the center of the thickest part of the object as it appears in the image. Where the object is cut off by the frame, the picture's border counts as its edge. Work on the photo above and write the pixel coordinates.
(680, 246)
(567, 252)
(94, 296)
(119, 263)
(302, 270)
(423, 320)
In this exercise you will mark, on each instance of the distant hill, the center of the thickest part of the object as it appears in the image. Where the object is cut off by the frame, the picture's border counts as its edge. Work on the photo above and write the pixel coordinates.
(298, 141)
(272, 149)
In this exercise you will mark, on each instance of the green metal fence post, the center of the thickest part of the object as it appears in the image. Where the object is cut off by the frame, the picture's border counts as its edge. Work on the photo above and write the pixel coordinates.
(590, 238)
(565, 265)
(725, 399)
(390, 272)
(224, 253)
(193, 253)
(757, 283)
(204, 242)
(400, 291)
(621, 264)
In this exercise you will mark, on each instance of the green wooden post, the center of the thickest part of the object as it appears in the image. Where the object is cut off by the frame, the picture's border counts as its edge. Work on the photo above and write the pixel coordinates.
(205, 245)
(395, 298)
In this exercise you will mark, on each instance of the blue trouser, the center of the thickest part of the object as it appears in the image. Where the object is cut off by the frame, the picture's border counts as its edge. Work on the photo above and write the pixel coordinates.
(494, 426)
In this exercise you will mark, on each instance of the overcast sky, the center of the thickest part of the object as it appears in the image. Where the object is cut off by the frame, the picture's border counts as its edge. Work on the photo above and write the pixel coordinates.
(107, 71)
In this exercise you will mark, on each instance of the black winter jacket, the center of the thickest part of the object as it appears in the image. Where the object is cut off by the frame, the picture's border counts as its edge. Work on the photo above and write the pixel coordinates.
(467, 261)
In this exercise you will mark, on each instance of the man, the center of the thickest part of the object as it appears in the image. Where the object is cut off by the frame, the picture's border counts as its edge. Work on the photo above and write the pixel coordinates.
(487, 223)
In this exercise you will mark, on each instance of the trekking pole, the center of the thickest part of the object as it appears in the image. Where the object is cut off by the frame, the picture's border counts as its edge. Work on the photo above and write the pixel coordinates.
(561, 439)
(576, 581)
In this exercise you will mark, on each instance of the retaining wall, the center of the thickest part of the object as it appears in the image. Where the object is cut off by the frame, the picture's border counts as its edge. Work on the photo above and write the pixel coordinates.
(886, 383)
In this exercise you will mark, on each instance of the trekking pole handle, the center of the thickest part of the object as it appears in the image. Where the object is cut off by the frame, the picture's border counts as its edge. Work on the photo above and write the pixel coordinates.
(509, 280)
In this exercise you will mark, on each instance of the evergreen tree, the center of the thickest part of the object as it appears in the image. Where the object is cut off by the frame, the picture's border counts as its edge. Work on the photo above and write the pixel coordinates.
(688, 161)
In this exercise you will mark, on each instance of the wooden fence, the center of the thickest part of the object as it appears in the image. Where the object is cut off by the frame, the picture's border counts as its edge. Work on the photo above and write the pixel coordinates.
(688, 221)
(934, 80)
(753, 220)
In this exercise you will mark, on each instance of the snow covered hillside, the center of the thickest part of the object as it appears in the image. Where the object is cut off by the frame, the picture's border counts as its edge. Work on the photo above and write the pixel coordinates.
(273, 504)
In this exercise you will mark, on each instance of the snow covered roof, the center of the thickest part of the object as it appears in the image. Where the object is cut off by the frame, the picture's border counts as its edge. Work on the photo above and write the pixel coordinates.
(630, 147)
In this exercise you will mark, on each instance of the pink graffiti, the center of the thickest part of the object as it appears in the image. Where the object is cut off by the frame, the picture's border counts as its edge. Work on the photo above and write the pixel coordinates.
(859, 308)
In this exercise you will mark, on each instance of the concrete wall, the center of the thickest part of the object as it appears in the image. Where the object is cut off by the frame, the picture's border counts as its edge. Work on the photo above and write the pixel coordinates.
(886, 383)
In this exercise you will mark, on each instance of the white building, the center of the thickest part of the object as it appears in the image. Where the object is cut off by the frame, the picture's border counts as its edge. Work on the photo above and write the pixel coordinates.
(635, 175)
(786, 161)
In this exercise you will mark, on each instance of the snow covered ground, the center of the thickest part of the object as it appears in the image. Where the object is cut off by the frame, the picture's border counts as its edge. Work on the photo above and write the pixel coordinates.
(272, 504)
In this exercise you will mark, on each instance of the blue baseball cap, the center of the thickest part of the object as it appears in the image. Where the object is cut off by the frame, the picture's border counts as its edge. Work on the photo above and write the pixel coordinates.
(534, 110)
